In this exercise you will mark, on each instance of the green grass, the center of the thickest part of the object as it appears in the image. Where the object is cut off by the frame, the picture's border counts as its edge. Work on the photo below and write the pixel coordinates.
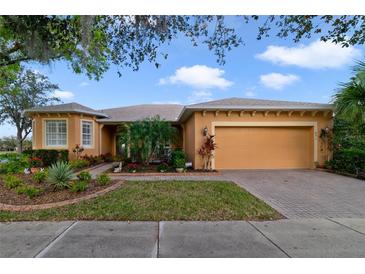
(161, 200)
(6, 152)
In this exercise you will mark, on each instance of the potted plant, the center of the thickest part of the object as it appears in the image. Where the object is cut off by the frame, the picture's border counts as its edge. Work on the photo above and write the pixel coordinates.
(180, 165)
(163, 167)
(35, 164)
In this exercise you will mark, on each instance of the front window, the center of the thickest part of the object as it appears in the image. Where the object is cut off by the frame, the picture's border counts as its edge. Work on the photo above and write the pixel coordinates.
(87, 136)
(56, 133)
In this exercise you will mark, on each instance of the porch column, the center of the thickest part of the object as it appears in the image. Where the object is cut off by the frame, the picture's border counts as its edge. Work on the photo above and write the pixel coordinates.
(183, 136)
(114, 149)
(100, 138)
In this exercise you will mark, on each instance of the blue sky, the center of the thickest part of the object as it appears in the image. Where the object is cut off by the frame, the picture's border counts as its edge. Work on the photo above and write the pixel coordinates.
(271, 68)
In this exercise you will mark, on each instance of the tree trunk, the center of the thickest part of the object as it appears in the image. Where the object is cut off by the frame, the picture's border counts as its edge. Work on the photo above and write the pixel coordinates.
(19, 139)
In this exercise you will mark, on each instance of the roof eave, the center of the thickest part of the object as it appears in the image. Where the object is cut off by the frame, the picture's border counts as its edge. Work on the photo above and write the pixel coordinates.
(321, 107)
(187, 111)
(30, 111)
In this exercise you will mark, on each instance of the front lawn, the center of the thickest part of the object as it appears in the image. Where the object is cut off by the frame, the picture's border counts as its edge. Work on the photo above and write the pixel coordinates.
(161, 200)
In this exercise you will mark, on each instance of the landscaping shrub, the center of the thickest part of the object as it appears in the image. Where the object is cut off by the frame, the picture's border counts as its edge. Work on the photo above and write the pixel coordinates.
(93, 160)
(35, 162)
(163, 167)
(107, 157)
(178, 158)
(48, 156)
(79, 186)
(40, 176)
(78, 164)
(11, 163)
(103, 179)
(30, 191)
(349, 148)
(84, 176)
(351, 160)
(60, 175)
(11, 181)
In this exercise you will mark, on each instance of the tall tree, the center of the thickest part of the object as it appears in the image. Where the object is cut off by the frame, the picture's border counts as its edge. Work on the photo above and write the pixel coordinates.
(27, 90)
(8, 143)
(350, 99)
(90, 44)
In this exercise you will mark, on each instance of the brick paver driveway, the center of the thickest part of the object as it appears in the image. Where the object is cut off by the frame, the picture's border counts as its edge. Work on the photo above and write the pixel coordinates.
(304, 193)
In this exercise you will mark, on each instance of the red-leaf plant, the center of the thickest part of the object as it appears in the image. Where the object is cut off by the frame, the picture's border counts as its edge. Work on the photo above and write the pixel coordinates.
(78, 151)
(206, 151)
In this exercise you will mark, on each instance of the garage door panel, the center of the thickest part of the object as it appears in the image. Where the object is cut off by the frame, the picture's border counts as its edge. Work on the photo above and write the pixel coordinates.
(263, 147)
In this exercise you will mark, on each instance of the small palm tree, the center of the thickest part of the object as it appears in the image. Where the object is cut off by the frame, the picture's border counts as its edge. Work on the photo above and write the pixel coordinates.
(60, 175)
(350, 99)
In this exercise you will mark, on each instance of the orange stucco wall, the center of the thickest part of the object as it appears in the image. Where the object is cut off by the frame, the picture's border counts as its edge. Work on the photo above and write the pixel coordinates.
(73, 132)
(107, 139)
(199, 120)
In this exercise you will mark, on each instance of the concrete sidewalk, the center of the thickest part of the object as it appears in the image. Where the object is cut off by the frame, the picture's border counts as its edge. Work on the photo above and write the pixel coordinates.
(283, 238)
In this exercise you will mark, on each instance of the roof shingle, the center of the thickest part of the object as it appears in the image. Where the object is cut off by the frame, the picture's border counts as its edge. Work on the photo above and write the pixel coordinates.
(168, 112)
(257, 103)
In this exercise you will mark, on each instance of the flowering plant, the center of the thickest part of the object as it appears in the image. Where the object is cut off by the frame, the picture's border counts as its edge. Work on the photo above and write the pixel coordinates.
(132, 167)
(35, 162)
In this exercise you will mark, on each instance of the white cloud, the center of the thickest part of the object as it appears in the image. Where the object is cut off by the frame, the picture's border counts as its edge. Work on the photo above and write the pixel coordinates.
(200, 96)
(66, 95)
(199, 77)
(316, 55)
(277, 80)
(84, 84)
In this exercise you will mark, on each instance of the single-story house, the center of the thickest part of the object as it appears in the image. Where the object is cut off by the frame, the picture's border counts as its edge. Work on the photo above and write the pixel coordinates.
(250, 133)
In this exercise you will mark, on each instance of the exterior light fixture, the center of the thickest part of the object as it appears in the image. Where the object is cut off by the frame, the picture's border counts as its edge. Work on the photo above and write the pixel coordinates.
(205, 131)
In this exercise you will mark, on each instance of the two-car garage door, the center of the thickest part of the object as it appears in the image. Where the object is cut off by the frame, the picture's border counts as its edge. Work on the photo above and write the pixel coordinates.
(264, 147)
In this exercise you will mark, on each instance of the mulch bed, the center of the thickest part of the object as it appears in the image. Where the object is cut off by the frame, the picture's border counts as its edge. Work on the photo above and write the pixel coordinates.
(152, 170)
(49, 195)
(187, 173)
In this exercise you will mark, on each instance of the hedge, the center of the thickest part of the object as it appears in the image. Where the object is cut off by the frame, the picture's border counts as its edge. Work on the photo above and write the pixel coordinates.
(48, 156)
(351, 160)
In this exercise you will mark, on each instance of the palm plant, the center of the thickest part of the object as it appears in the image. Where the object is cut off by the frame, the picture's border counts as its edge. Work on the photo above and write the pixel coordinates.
(350, 99)
(60, 174)
(145, 137)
